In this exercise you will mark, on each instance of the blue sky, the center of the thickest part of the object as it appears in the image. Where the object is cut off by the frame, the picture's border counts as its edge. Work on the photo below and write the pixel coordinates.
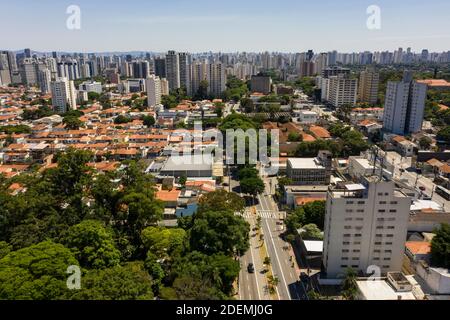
(226, 25)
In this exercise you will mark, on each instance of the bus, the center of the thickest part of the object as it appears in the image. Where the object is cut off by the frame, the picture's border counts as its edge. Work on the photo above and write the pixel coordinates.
(444, 193)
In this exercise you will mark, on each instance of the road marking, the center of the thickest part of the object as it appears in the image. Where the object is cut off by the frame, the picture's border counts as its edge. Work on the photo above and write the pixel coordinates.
(276, 255)
(256, 278)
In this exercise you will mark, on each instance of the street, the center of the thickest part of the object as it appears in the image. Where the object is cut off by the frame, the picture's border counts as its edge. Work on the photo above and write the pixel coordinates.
(400, 172)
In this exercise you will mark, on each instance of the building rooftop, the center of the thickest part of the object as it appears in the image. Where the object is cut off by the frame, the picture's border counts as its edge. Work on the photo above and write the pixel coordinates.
(184, 163)
(381, 290)
(418, 247)
(305, 163)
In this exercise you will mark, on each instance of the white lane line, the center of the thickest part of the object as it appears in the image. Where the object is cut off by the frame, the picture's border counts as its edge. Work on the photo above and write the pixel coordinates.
(256, 278)
(278, 261)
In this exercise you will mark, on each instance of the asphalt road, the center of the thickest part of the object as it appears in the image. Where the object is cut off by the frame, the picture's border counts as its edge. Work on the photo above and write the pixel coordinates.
(282, 262)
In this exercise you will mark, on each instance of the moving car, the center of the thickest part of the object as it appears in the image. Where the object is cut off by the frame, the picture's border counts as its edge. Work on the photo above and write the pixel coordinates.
(250, 268)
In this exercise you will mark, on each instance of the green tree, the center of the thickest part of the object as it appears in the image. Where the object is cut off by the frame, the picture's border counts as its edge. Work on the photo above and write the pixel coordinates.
(5, 248)
(120, 119)
(311, 232)
(164, 242)
(10, 129)
(349, 286)
(128, 282)
(37, 272)
(295, 137)
(425, 143)
(202, 91)
(92, 245)
(252, 186)
(440, 247)
(149, 121)
(219, 232)
(72, 123)
(93, 96)
(217, 272)
(183, 180)
(314, 213)
(219, 199)
(444, 135)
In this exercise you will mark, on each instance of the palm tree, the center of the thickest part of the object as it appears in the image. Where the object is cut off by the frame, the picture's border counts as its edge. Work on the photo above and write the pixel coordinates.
(273, 281)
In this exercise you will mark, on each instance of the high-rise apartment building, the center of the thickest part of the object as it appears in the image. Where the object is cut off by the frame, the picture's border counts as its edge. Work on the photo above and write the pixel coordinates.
(153, 86)
(173, 70)
(342, 90)
(160, 67)
(262, 84)
(5, 73)
(28, 71)
(365, 225)
(404, 105)
(44, 80)
(185, 71)
(198, 74)
(164, 87)
(216, 79)
(68, 69)
(141, 69)
(63, 95)
(368, 86)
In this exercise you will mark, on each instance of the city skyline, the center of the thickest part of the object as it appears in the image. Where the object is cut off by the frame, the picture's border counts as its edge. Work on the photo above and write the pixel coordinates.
(287, 26)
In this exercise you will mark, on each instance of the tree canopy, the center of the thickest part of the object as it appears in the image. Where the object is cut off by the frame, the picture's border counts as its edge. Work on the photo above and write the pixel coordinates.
(440, 247)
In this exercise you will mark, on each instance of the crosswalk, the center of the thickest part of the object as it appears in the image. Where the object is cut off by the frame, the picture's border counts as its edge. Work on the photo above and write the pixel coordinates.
(264, 214)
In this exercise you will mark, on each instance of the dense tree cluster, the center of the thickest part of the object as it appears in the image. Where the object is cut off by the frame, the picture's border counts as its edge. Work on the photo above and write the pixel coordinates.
(440, 247)
(107, 224)
(310, 217)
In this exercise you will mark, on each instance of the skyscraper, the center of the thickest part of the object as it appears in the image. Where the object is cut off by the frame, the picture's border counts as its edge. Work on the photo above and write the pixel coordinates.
(185, 71)
(63, 95)
(404, 105)
(160, 67)
(173, 70)
(368, 86)
(153, 86)
(27, 52)
(141, 69)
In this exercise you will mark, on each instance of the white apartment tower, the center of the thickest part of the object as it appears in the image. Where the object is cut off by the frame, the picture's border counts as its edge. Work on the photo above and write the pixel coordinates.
(368, 86)
(153, 86)
(173, 70)
(342, 90)
(365, 225)
(63, 95)
(404, 105)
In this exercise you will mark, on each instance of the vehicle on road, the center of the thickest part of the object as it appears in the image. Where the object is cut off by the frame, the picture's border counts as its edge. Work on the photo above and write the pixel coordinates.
(422, 188)
(251, 268)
